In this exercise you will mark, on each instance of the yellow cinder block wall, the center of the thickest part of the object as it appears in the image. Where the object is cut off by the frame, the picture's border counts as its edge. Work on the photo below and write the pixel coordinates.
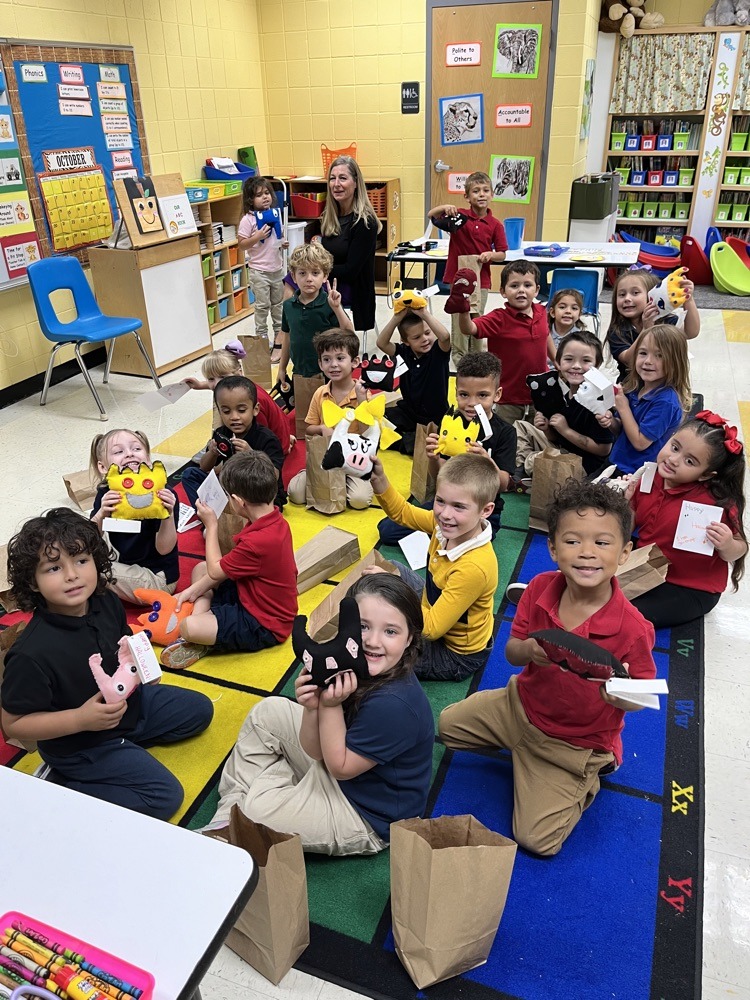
(199, 73)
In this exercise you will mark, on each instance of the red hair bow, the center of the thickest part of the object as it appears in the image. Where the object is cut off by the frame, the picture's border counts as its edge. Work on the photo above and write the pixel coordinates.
(731, 443)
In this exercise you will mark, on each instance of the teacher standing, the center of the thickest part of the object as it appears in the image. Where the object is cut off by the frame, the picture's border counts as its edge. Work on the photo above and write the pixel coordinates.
(349, 230)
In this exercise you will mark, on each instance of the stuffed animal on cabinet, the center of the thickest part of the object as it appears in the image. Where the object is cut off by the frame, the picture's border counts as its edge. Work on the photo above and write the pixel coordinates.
(624, 18)
(726, 12)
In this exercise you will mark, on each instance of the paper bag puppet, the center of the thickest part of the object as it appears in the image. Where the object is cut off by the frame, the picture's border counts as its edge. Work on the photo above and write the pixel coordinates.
(462, 289)
(142, 197)
(580, 656)
(596, 393)
(138, 491)
(669, 294)
(547, 394)
(162, 623)
(325, 660)
(354, 452)
(120, 685)
(456, 433)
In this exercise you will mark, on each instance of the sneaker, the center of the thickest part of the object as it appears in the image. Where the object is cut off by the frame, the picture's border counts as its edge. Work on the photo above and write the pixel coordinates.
(43, 771)
(513, 592)
(181, 654)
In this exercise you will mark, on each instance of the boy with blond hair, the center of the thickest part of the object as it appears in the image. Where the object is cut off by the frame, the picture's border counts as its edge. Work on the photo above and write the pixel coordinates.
(461, 580)
(476, 232)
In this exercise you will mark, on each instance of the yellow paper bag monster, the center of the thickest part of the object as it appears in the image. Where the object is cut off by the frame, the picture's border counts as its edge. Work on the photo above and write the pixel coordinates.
(138, 491)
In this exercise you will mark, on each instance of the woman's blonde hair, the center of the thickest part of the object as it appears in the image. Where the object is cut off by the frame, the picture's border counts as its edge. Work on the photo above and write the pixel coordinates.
(219, 364)
(672, 345)
(362, 208)
(99, 449)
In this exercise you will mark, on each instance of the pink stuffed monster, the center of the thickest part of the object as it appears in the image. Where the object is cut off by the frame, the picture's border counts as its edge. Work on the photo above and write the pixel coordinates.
(123, 681)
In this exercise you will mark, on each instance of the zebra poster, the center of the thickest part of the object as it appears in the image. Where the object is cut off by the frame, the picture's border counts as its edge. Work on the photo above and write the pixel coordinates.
(517, 48)
(461, 120)
(512, 178)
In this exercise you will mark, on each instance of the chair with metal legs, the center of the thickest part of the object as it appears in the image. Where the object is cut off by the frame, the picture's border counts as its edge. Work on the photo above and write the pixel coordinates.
(90, 326)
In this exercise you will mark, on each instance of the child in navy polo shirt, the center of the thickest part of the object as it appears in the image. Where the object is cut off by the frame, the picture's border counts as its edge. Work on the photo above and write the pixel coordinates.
(425, 349)
(517, 334)
(475, 232)
(246, 600)
(564, 730)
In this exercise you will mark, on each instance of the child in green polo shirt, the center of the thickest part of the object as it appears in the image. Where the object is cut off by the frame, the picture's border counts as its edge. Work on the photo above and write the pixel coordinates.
(311, 309)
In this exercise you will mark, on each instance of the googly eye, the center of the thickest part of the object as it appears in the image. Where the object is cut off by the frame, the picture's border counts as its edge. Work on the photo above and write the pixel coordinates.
(153, 617)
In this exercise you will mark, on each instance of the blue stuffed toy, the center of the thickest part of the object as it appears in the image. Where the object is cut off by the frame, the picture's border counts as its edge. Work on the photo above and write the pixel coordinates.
(270, 217)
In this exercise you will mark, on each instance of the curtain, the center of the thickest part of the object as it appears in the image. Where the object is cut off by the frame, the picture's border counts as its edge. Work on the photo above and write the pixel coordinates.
(742, 93)
(651, 79)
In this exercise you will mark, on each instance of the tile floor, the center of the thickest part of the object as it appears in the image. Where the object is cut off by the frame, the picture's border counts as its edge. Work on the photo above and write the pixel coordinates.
(58, 437)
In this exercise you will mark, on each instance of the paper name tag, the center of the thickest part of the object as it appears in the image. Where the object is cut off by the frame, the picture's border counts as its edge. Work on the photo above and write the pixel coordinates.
(432, 290)
(187, 519)
(639, 692)
(145, 658)
(212, 493)
(647, 479)
(415, 547)
(401, 369)
(691, 527)
(484, 421)
(124, 527)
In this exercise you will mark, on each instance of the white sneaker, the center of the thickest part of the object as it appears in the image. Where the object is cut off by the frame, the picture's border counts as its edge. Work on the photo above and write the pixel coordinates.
(514, 591)
(43, 771)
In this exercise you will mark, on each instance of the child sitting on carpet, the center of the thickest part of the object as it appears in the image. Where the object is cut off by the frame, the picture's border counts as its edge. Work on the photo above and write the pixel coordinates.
(236, 399)
(247, 599)
(146, 560)
(563, 730)
(228, 361)
(59, 568)
(338, 354)
(347, 760)
(704, 463)
(457, 597)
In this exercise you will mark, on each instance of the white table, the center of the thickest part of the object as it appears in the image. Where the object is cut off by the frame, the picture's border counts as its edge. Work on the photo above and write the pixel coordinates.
(153, 894)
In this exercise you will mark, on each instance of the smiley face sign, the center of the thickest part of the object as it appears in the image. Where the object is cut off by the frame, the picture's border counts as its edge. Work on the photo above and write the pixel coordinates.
(145, 206)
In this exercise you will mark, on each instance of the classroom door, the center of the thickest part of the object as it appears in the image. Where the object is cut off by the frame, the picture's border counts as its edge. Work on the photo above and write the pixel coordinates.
(489, 94)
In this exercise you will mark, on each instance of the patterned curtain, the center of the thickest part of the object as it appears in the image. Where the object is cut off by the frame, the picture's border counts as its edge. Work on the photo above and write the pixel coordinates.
(651, 80)
(742, 93)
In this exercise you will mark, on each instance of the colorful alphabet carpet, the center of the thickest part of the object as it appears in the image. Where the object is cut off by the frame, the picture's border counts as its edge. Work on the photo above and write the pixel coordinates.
(616, 914)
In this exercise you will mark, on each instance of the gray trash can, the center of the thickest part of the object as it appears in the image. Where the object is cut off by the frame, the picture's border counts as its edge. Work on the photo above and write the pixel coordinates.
(593, 208)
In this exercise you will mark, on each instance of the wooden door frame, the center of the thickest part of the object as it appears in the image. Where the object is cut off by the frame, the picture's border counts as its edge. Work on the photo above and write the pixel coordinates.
(541, 179)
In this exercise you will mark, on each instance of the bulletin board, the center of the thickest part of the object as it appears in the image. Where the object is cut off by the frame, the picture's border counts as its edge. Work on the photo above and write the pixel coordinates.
(78, 127)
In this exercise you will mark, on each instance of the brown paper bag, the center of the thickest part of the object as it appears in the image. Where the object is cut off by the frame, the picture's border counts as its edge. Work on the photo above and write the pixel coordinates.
(7, 598)
(274, 928)
(230, 524)
(422, 483)
(449, 882)
(256, 365)
(551, 469)
(645, 569)
(7, 637)
(323, 623)
(81, 488)
(470, 261)
(329, 552)
(304, 390)
(325, 490)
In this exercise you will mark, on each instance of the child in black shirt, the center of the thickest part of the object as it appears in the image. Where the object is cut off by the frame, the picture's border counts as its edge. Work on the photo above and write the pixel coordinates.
(59, 567)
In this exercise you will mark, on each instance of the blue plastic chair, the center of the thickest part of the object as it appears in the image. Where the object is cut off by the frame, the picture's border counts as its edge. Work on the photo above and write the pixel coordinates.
(585, 281)
(90, 326)
(712, 236)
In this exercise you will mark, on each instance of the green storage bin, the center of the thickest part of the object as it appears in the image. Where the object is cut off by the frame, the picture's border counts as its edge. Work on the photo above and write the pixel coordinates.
(681, 210)
(206, 266)
(621, 208)
(666, 210)
(732, 175)
(745, 176)
(681, 140)
(232, 187)
(739, 213)
(737, 141)
(723, 211)
(617, 143)
(634, 209)
(593, 196)
(211, 315)
(624, 173)
(220, 285)
(686, 176)
(650, 208)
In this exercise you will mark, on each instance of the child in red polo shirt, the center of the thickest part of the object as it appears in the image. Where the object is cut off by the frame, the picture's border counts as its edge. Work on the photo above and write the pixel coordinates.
(702, 462)
(563, 730)
(517, 334)
(475, 232)
(247, 599)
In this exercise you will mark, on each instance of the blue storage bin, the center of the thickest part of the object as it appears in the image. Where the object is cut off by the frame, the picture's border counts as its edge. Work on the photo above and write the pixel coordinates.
(197, 194)
(671, 177)
(212, 174)
(637, 177)
(223, 308)
(664, 142)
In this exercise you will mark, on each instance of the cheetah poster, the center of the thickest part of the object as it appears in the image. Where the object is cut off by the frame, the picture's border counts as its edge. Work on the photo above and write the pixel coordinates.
(512, 178)
(517, 48)
(461, 119)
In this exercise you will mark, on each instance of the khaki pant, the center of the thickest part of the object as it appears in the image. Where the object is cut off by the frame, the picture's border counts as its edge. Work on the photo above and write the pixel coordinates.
(128, 579)
(510, 412)
(358, 491)
(274, 782)
(530, 442)
(268, 289)
(460, 344)
(553, 781)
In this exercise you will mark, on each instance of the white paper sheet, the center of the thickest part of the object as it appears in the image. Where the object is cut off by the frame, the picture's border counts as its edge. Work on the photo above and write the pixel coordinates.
(187, 519)
(124, 527)
(638, 692)
(212, 493)
(415, 547)
(165, 396)
(690, 535)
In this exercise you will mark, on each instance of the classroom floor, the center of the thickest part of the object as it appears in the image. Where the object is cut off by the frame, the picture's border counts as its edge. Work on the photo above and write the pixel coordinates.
(59, 436)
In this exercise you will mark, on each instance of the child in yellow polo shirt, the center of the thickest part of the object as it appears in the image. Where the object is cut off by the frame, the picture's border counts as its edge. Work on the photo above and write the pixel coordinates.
(461, 577)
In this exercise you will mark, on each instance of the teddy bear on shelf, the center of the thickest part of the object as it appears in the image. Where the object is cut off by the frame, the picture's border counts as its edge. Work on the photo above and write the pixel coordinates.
(624, 18)
(722, 12)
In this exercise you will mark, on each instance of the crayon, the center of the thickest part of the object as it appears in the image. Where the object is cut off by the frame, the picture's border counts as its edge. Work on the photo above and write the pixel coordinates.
(38, 938)
(30, 977)
(5, 992)
(112, 980)
(11, 979)
(108, 988)
(20, 943)
(40, 970)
